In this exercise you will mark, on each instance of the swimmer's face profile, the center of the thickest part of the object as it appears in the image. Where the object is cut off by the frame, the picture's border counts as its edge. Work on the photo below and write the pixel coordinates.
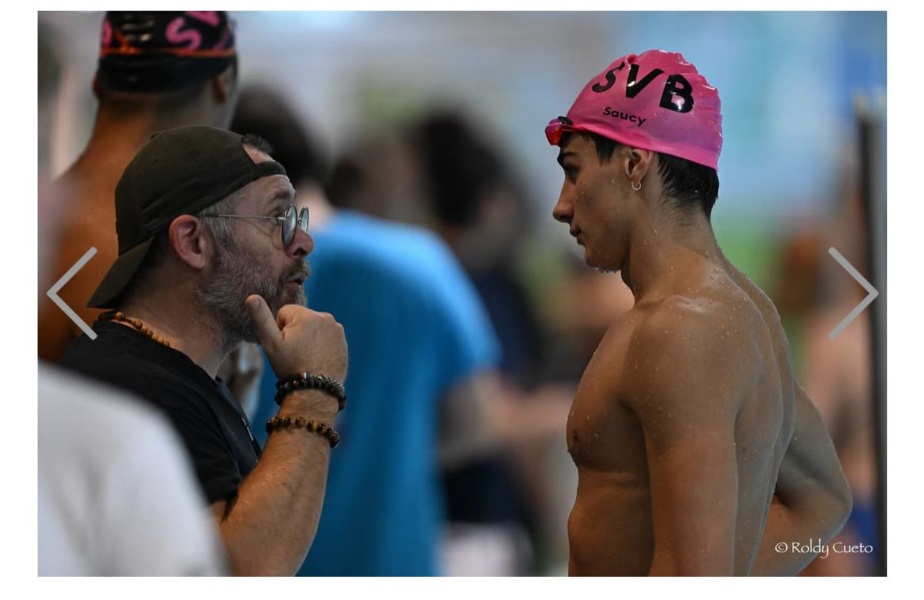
(595, 201)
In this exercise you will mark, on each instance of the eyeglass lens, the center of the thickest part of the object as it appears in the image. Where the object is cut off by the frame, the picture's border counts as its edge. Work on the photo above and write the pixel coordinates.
(293, 219)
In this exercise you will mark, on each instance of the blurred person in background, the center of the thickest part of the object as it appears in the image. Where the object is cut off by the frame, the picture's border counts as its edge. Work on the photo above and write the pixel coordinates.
(156, 70)
(795, 286)
(584, 304)
(422, 359)
(478, 208)
(116, 494)
(838, 377)
(697, 450)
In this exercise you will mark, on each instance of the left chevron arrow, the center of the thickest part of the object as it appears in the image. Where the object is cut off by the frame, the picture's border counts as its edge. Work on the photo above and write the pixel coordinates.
(53, 293)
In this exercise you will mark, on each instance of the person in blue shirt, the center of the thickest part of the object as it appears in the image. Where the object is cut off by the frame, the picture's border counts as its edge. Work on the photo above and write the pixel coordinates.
(422, 367)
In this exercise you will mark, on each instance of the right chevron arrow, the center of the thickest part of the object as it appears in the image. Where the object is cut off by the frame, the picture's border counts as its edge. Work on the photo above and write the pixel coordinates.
(872, 293)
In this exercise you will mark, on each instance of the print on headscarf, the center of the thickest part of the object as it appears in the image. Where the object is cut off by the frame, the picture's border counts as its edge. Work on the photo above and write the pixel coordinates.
(155, 52)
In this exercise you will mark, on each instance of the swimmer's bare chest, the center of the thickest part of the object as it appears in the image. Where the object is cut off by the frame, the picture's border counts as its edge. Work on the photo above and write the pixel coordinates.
(609, 528)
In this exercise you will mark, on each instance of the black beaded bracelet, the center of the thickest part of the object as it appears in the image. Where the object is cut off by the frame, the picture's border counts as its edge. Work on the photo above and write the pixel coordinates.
(307, 381)
(277, 422)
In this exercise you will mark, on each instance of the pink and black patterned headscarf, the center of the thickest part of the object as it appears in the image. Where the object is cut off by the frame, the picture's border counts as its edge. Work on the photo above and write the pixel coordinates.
(163, 51)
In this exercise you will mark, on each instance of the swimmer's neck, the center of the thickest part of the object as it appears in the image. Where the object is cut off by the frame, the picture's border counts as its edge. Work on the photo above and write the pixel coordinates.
(667, 256)
(125, 122)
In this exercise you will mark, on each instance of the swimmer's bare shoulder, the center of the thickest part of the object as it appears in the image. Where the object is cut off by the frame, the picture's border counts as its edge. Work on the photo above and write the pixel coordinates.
(89, 225)
(702, 398)
(675, 431)
(811, 498)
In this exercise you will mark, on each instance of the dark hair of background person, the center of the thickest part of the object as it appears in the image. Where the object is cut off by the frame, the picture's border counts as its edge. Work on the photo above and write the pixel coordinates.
(265, 112)
(347, 182)
(459, 169)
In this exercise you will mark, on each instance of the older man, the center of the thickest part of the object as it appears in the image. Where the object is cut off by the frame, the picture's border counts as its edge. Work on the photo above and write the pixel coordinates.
(212, 252)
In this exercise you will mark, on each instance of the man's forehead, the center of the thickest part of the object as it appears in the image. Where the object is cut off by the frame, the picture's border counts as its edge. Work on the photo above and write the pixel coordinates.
(272, 189)
(280, 187)
(575, 146)
(265, 193)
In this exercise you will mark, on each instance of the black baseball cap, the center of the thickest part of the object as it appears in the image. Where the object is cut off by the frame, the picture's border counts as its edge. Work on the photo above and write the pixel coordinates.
(179, 171)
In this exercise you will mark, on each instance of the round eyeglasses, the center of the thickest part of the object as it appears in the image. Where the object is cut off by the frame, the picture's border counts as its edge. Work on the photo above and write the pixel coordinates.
(290, 219)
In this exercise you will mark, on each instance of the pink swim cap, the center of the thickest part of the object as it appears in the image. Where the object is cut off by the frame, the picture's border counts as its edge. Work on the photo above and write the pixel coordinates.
(655, 101)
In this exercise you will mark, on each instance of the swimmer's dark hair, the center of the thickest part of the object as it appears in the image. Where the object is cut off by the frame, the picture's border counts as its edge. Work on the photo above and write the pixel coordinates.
(687, 184)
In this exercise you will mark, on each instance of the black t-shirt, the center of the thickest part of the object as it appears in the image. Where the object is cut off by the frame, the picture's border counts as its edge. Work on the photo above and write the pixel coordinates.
(203, 411)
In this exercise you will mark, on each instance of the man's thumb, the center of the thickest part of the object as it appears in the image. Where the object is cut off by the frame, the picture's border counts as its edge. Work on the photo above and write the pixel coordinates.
(263, 320)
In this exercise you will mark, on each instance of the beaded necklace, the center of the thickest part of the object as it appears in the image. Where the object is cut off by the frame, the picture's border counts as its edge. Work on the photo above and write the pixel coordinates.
(114, 315)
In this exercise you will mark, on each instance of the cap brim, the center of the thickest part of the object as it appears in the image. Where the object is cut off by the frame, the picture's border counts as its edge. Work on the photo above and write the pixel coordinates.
(119, 276)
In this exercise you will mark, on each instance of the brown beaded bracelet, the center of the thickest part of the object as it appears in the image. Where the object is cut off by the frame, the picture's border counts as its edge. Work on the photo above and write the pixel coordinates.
(307, 381)
(323, 429)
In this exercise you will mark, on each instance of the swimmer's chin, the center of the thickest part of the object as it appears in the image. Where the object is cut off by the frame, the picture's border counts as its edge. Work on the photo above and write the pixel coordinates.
(602, 268)
(603, 264)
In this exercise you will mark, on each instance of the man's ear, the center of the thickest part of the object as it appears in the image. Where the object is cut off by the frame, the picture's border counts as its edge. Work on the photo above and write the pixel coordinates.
(637, 163)
(223, 86)
(191, 242)
(96, 88)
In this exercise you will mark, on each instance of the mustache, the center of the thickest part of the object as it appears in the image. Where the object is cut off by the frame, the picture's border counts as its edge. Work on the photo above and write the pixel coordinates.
(302, 270)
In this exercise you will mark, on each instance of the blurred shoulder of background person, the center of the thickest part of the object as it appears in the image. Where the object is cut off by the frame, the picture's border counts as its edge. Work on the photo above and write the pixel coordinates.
(116, 493)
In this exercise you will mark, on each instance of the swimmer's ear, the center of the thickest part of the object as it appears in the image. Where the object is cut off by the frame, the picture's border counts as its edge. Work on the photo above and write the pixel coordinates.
(220, 90)
(638, 162)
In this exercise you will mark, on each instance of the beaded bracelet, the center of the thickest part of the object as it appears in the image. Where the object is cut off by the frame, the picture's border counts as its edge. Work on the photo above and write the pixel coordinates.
(307, 381)
(278, 422)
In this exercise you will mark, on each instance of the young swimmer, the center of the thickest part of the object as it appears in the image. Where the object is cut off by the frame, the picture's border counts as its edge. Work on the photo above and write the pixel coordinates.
(697, 451)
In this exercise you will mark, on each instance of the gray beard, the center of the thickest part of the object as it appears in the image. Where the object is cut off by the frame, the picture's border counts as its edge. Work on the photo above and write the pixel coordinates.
(235, 276)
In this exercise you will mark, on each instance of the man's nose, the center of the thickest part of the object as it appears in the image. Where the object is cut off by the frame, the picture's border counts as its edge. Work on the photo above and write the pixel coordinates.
(563, 209)
(302, 244)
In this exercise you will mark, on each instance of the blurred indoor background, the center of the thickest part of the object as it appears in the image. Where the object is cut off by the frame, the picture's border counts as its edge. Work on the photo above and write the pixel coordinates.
(790, 170)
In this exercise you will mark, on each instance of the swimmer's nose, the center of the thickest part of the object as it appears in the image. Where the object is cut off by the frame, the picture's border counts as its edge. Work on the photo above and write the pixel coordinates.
(563, 210)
